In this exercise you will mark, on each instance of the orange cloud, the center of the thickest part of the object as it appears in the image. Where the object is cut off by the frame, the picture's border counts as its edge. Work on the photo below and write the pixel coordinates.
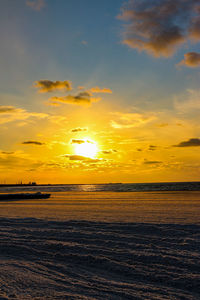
(152, 147)
(111, 151)
(99, 90)
(11, 114)
(45, 86)
(7, 109)
(160, 27)
(77, 141)
(130, 120)
(7, 152)
(78, 129)
(83, 98)
(191, 59)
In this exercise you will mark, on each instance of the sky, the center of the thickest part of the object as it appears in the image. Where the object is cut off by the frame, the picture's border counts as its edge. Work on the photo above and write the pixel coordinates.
(99, 91)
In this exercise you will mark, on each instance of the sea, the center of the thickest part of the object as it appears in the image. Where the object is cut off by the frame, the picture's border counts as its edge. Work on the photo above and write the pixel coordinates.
(101, 241)
(109, 187)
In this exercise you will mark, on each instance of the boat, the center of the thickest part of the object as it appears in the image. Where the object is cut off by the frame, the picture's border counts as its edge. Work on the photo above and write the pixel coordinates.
(21, 196)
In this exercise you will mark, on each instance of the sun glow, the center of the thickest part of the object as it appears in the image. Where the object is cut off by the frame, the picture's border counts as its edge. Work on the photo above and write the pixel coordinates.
(87, 148)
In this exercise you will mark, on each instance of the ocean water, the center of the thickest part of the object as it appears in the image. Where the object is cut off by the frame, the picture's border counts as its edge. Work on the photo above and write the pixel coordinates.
(100, 242)
(111, 187)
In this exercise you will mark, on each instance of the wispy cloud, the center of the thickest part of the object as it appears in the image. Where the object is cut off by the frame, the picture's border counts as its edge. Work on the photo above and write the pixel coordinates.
(162, 125)
(130, 120)
(36, 4)
(15, 160)
(195, 142)
(59, 120)
(188, 102)
(160, 27)
(83, 98)
(101, 90)
(191, 59)
(11, 114)
(45, 85)
(85, 43)
(82, 158)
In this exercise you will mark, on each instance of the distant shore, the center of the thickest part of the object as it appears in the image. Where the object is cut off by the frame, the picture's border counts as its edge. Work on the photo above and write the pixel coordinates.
(24, 184)
(107, 183)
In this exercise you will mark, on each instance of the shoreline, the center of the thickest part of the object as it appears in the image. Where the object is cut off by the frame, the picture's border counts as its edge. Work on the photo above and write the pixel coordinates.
(107, 183)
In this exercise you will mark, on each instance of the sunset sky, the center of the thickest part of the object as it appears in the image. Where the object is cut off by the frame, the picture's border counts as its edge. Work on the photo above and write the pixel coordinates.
(99, 91)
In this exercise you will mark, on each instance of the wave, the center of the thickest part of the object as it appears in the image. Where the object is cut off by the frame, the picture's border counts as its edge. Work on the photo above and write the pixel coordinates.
(41, 259)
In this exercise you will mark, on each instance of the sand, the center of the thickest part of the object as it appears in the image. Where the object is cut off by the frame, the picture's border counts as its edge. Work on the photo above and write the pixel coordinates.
(101, 256)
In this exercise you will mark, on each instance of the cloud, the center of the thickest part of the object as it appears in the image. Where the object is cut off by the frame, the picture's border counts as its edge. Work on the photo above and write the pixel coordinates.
(35, 4)
(82, 158)
(7, 109)
(190, 143)
(59, 120)
(7, 152)
(162, 125)
(75, 157)
(152, 147)
(189, 102)
(160, 27)
(130, 120)
(52, 104)
(152, 162)
(11, 114)
(17, 160)
(74, 141)
(83, 98)
(45, 86)
(111, 151)
(85, 43)
(191, 59)
(79, 129)
(33, 143)
(99, 90)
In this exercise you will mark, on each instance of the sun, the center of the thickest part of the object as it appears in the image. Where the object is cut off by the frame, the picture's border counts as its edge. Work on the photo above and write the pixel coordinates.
(87, 148)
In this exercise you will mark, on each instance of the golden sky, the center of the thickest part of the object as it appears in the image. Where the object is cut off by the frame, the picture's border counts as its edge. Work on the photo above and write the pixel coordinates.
(112, 102)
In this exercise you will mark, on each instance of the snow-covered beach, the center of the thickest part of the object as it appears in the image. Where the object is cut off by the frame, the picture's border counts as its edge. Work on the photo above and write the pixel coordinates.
(81, 247)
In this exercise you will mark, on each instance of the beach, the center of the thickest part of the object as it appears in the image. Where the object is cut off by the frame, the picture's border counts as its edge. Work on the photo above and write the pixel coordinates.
(99, 150)
(101, 245)
(154, 207)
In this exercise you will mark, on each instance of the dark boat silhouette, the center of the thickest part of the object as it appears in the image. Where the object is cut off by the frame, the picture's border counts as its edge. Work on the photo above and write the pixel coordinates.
(21, 196)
